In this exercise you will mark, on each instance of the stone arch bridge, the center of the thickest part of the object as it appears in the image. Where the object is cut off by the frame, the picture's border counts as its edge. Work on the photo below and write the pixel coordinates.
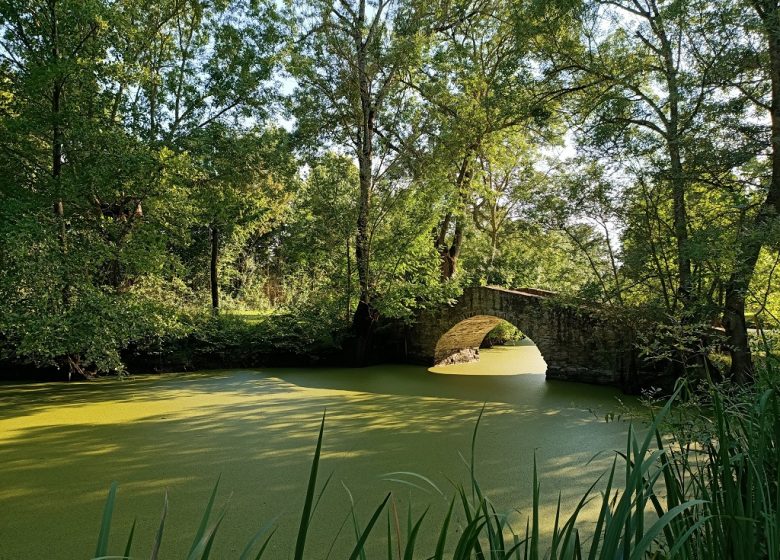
(577, 343)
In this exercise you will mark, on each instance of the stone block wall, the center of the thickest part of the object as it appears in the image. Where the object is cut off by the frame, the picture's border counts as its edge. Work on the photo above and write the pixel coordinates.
(577, 343)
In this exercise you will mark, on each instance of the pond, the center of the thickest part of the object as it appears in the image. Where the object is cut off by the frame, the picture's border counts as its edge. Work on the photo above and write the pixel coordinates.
(61, 446)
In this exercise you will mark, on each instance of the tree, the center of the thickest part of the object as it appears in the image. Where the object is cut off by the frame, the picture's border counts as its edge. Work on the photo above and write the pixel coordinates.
(348, 60)
(479, 86)
(506, 182)
(54, 130)
(242, 188)
(759, 83)
(319, 237)
(98, 97)
(648, 101)
(645, 95)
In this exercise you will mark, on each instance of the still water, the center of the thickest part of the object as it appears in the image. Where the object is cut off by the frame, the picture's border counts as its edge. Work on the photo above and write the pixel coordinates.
(61, 446)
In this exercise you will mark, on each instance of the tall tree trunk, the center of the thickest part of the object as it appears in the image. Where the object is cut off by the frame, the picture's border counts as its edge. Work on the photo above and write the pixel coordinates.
(213, 272)
(679, 185)
(680, 225)
(449, 253)
(680, 212)
(56, 164)
(56, 147)
(349, 282)
(751, 238)
(362, 249)
(365, 314)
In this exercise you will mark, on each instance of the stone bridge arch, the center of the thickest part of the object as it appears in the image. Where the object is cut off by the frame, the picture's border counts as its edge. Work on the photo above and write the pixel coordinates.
(576, 343)
(462, 341)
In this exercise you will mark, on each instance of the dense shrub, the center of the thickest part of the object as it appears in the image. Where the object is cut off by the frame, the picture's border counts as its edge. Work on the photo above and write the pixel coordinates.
(233, 340)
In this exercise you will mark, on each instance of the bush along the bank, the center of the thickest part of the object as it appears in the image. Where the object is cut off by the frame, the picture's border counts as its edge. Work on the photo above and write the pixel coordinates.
(232, 340)
(665, 496)
(502, 333)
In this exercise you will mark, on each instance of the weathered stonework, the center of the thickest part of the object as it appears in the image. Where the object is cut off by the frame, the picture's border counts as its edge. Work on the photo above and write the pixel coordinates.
(576, 343)
(462, 356)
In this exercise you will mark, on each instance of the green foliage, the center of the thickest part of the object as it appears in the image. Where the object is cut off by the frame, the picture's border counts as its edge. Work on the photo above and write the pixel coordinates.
(723, 445)
(613, 151)
(116, 116)
(503, 333)
(220, 340)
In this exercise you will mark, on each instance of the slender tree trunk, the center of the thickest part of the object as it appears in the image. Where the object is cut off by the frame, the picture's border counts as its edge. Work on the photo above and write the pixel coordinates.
(349, 282)
(493, 249)
(365, 155)
(440, 234)
(56, 171)
(752, 237)
(680, 224)
(677, 177)
(213, 276)
(362, 250)
(449, 253)
(680, 211)
(612, 263)
(689, 354)
(56, 148)
(365, 314)
(449, 262)
(736, 330)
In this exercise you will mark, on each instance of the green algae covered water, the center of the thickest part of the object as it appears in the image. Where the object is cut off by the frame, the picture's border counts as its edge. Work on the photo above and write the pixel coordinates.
(61, 446)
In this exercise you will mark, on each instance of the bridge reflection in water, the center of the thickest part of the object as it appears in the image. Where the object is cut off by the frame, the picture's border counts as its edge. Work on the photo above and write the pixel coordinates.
(516, 358)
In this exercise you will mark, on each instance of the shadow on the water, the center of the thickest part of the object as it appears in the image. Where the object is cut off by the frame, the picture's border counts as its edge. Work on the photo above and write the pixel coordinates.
(30, 396)
(62, 445)
(510, 374)
(388, 379)
(524, 389)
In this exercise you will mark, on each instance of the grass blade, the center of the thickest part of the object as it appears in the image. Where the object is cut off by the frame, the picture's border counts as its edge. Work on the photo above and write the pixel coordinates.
(203, 547)
(439, 554)
(367, 531)
(105, 524)
(129, 544)
(307, 506)
(159, 535)
(389, 538)
(205, 519)
(256, 538)
(390, 477)
(642, 546)
(265, 545)
(409, 552)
